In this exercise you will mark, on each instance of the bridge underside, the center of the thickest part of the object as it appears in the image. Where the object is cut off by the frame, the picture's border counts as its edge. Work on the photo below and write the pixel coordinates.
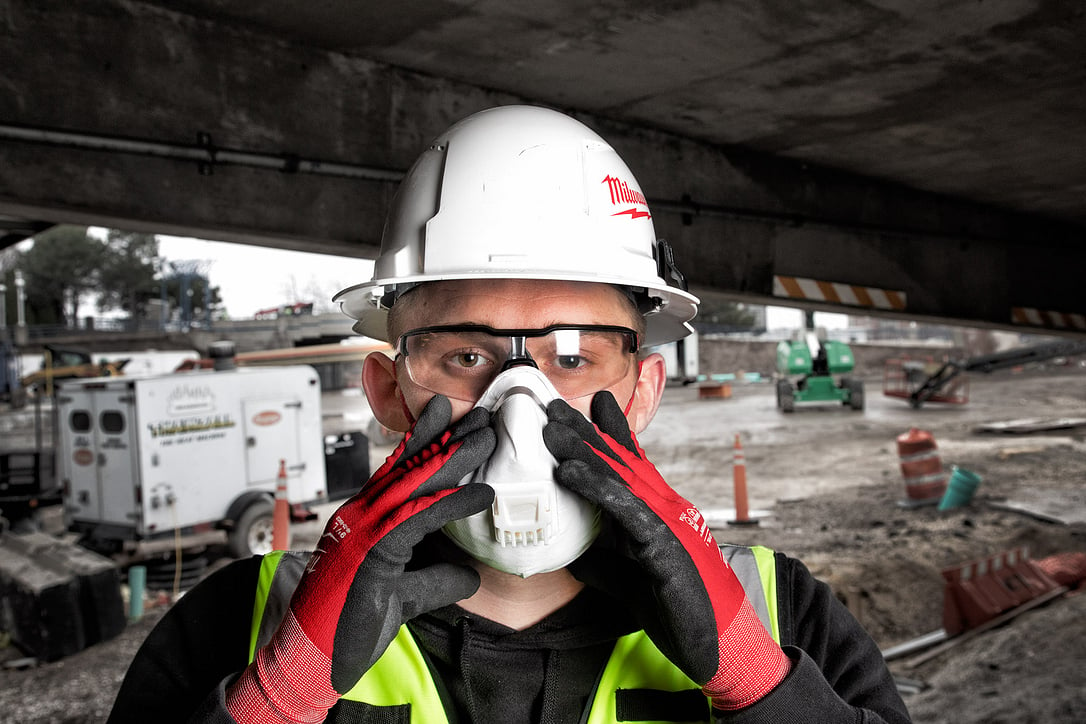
(241, 129)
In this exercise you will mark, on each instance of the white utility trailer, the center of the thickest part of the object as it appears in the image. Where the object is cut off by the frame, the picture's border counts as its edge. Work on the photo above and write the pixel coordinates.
(146, 460)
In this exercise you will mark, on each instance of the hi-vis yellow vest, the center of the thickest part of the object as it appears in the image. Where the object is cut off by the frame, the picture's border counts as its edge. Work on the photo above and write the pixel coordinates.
(638, 680)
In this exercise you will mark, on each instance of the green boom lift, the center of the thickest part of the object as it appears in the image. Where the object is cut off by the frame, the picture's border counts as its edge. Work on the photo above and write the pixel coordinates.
(817, 360)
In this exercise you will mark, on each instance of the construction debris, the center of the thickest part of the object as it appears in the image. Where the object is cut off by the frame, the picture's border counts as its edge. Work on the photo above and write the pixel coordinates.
(1032, 424)
(913, 645)
(57, 598)
(1066, 507)
(1066, 569)
(718, 391)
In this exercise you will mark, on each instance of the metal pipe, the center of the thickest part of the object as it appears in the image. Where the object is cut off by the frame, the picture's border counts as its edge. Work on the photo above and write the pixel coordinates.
(204, 153)
(690, 210)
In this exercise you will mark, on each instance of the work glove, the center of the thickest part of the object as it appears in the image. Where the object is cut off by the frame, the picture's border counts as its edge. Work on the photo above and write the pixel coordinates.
(355, 592)
(673, 575)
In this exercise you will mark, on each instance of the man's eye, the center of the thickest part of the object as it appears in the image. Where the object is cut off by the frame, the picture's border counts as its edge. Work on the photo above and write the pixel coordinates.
(469, 359)
(569, 361)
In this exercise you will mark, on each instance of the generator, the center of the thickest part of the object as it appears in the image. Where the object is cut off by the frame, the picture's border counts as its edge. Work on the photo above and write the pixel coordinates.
(146, 460)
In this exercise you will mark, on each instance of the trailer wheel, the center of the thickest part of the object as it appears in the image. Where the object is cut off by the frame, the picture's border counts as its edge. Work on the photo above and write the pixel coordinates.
(786, 396)
(253, 533)
(856, 394)
(18, 398)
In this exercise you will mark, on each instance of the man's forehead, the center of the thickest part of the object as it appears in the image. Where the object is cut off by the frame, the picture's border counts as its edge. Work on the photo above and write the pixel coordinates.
(501, 301)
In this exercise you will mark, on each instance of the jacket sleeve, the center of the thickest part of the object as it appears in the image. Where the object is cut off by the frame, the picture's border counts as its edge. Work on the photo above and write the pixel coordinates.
(838, 671)
(201, 642)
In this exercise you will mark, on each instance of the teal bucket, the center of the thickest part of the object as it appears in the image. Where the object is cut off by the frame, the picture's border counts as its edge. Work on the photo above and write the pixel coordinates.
(959, 490)
(137, 584)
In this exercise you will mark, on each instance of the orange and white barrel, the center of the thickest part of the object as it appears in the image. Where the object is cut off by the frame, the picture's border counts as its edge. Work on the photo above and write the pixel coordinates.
(925, 479)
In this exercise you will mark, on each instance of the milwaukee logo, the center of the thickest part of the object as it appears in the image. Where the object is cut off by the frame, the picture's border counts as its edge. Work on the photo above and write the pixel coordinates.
(622, 194)
(693, 518)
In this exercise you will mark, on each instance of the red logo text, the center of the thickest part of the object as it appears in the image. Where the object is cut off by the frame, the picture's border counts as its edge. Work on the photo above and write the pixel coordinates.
(622, 194)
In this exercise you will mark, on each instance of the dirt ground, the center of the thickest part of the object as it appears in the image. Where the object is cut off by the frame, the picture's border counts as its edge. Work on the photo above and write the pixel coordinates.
(826, 487)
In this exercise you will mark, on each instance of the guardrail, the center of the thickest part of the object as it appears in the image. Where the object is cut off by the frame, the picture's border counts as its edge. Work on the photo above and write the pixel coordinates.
(91, 325)
(260, 333)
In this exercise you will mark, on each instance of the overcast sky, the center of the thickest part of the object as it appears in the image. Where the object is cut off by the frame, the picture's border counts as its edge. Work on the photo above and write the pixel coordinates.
(251, 278)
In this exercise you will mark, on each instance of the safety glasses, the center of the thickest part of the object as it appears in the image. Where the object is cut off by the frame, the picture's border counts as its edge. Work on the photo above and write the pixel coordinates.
(460, 361)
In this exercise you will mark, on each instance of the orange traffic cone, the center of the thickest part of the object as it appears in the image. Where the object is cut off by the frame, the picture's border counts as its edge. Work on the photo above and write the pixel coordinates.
(281, 516)
(739, 480)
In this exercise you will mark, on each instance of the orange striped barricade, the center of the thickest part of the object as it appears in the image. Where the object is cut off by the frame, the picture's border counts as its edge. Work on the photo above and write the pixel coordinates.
(980, 590)
(925, 479)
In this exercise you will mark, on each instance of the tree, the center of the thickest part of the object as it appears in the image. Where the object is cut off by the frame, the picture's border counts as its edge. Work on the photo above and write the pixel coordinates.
(60, 268)
(188, 290)
(127, 275)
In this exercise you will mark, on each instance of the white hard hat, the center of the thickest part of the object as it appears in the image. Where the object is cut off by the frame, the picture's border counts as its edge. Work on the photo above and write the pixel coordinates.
(523, 192)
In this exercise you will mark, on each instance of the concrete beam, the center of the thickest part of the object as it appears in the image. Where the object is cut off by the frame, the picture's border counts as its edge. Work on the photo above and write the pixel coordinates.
(744, 224)
(132, 72)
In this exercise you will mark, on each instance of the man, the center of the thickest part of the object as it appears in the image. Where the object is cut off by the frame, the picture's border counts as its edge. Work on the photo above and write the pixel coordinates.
(517, 558)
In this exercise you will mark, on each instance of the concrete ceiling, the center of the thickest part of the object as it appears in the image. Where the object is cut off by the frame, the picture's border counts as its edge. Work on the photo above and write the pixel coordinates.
(981, 99)
(932, 148)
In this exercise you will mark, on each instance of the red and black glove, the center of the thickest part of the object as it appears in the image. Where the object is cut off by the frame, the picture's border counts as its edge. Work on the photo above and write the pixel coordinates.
(355, 592)
(684, 594)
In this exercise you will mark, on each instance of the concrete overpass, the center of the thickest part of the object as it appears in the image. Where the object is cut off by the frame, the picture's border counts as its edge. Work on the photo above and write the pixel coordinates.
(911, 159)
(248, 335)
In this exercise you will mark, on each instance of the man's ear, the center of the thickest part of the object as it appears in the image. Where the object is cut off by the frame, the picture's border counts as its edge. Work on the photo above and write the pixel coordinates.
(647, 393)
(383, 392)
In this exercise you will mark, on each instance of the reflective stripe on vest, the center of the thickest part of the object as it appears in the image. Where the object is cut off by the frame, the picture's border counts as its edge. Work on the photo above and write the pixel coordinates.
(401, 675)
(637, 664)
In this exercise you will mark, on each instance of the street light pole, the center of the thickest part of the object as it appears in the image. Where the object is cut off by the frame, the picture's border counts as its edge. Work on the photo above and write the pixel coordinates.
(21, 334)
(20, 299)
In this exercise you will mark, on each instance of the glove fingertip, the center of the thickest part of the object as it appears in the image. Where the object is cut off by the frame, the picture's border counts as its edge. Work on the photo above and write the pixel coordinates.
(601, 401)
(610, 419)
(460, 582)
(560, 438)
(438, 585)
(433, 420)
(466, 500)
(476, 419)
(478, 491)
(559, 410)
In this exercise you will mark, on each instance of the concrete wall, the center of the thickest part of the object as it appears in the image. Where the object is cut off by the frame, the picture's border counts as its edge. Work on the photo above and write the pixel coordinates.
(721, 355)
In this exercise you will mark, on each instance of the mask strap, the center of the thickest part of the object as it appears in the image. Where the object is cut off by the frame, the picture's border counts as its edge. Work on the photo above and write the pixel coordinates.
(629, 405)
(403, 403)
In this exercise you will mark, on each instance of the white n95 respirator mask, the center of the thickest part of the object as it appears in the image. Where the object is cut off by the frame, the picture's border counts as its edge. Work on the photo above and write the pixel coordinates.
(534, 525)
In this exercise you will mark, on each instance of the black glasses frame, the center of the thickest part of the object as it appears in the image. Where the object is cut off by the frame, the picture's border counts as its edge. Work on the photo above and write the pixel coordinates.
(632, 337)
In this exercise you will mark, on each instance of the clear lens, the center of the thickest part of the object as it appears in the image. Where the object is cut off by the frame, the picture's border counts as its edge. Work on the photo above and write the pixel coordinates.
(460, 362)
